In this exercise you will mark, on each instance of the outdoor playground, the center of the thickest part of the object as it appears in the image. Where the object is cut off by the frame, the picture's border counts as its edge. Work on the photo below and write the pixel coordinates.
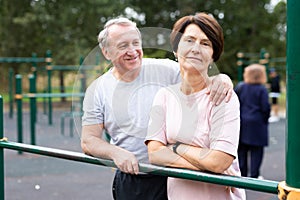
(40, 154)
(49, 122)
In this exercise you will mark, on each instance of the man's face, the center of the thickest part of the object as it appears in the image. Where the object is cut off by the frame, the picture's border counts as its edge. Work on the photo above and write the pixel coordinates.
(124, 48)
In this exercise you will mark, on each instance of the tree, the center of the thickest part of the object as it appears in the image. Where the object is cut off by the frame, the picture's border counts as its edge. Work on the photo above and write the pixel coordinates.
(69, 28)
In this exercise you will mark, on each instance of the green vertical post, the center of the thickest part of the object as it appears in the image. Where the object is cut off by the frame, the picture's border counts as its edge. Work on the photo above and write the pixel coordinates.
(240, 64)
(34, 64)
(49, 71)
(264, 60)
(18, 98)
(293, 95)
(71, 124)
(1, 151)
(262, 53)
(32, 90)
(82, 82)
(10, 90)
(34, 71)
(44, 102)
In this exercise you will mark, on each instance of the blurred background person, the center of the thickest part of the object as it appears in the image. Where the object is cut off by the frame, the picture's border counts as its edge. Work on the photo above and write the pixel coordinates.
(274, 94)
(255, 112)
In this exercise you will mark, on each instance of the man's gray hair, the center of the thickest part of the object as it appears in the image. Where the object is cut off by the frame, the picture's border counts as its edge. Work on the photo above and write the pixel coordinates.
(102, 37)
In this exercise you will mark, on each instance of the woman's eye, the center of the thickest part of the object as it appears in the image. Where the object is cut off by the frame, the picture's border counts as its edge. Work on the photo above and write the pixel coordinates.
(206, 43)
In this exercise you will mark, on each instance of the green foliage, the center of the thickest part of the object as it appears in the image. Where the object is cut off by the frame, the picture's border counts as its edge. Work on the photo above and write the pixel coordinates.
(69, 28)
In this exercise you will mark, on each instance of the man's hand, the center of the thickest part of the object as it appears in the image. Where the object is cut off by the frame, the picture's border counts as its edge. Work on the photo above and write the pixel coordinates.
(126, 161)
(93, 144)
(221, 88)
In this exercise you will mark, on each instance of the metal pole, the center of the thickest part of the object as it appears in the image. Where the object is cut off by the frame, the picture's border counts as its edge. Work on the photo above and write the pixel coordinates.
(240, 64)
(18, 98)
(1, 152)
(49, 69)
(264, 60)
(34, 71)
(49, 98)
(34, 64)
(240, 182)
(10, 86)
(290, 189)
(32, 89)
(293, 95)
(82, 81)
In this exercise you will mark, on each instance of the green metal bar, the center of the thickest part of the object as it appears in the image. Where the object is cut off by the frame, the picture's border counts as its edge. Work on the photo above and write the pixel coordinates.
(293, 95)
(240, 182)
(71, 67)
(10, 92)
(279, 59)
(52, 95)
(62, 125)
(20, 59)
(44, 103)
(240, 64)
(49, 98)
(49, 72)
(71, 125)
(32, 89)
(2, 180)
(262, 53)
(264, 60)
(34, 56)
(252, 55)
(34, 71)
(19, 108)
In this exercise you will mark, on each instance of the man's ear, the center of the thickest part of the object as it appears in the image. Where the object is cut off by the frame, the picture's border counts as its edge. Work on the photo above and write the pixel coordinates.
(175, 54)
(105, 53)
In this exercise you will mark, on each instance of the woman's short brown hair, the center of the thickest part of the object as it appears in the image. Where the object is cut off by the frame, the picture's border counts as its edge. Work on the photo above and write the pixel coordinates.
(207, 24)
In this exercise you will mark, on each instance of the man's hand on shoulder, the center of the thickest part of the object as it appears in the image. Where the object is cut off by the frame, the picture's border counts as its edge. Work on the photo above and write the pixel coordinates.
(220, 89)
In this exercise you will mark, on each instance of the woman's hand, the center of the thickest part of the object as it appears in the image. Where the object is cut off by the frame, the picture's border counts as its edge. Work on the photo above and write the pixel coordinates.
(163, 155)
(230, 172)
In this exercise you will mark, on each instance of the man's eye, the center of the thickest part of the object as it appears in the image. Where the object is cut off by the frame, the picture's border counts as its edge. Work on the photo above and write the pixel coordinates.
(136, 43)
(122, 47)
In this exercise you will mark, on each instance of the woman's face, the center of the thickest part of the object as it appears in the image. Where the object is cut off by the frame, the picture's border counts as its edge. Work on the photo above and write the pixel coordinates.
(195, 50)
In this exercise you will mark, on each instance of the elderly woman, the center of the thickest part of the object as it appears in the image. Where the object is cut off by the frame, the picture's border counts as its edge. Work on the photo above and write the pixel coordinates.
(185, 129)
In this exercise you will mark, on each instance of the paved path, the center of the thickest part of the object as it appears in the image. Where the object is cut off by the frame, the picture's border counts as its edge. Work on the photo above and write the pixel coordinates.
(33, 177)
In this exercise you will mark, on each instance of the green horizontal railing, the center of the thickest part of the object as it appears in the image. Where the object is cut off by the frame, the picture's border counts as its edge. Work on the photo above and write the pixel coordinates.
(267, 186)
(68, 67)
(52, 95)
(73, 67)
(21, 59)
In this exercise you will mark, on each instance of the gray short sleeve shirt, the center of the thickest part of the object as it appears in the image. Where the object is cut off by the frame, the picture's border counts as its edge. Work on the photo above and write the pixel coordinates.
(123, 107)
